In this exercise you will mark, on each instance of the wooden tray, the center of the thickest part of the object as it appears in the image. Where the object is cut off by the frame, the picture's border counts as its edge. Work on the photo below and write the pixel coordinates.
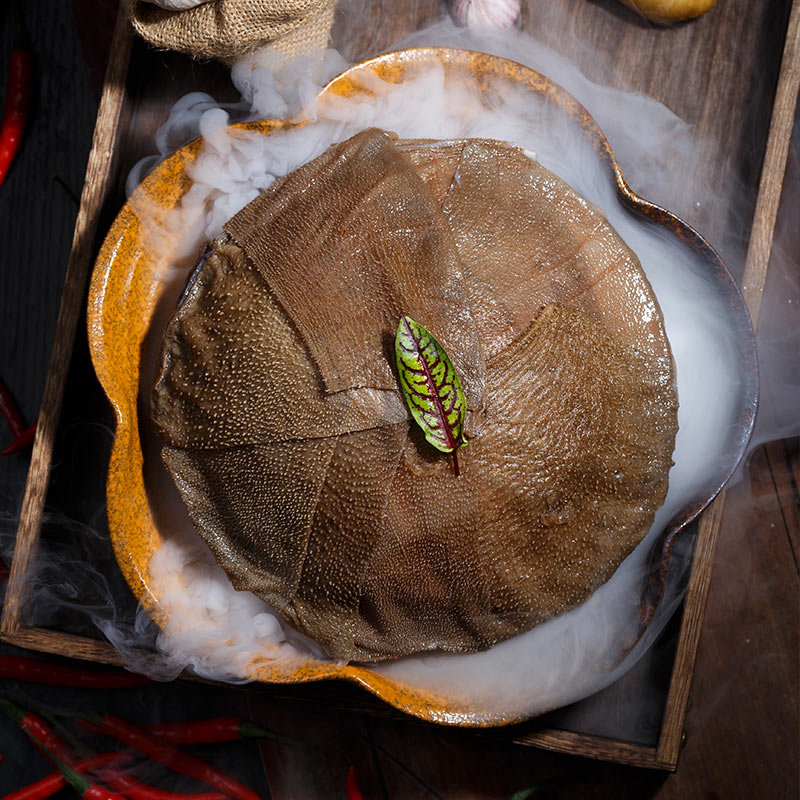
(709, 90)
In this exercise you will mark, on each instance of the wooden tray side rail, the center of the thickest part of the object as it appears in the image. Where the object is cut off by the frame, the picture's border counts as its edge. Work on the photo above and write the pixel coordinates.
(71, 314)
(755, 274)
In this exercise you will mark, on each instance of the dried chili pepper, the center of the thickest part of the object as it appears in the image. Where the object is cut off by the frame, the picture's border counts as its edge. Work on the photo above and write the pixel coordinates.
(166, 754)
(43, 736)
(38, 730)
(79, 748)
(130, 786)
(51, 783)
(136, 790)
(9, 410)
(23, 436)
(32, 671)
(351, 785)
(217, 729)
(205, 731)
(80, 783)
(22, 442)
(18, 97)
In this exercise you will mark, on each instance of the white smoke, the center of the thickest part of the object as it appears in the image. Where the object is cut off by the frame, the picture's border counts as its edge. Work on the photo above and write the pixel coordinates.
(222, 633)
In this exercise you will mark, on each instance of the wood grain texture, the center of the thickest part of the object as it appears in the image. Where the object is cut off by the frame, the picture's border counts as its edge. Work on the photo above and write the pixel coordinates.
(402, 759)
(760, 247)
(694, 609)
(742, 735)
(784, 462)
(39, 195)
(711, 72)
(598, 747)
(771, 184)
(719, 74)
(363, 28)
(101, 163)
(92, 23)
(63, 644)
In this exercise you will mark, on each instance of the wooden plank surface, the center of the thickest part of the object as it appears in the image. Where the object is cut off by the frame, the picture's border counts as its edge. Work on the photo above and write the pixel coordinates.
(753, 281)
(741, 733)
(718, 73)
(772, 175)
(101, 161)
(671, 739)
(745, 688)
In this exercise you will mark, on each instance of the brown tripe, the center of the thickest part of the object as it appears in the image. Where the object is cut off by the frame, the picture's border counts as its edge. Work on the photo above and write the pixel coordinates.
(289, 442)
(348, 244)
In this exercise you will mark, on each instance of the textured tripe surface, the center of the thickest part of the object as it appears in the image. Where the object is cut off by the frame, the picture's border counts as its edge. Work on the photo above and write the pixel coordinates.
(288, 439)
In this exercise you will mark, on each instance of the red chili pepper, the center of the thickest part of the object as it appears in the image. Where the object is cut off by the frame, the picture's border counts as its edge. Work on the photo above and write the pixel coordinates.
(217, 729)
(79, 748)
(23, 436)
(31, 670)
(22, 442)
(351, 786)
(18, 98)
(55, 780)
(52, 744)
(166, 754)
(8, 408)
(38, 730)
(80, 783)
(136, 790)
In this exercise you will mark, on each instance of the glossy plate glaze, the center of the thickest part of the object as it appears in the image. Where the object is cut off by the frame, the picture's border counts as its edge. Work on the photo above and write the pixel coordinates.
(128, 284)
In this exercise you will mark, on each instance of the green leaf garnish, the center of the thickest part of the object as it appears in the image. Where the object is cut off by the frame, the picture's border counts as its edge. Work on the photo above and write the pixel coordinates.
(431, 387)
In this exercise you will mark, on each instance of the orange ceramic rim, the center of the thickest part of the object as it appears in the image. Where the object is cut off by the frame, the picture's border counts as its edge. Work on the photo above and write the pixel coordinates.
(122, 298)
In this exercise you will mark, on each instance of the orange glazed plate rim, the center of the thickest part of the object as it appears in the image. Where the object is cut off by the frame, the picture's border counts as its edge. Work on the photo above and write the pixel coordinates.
(122, 298)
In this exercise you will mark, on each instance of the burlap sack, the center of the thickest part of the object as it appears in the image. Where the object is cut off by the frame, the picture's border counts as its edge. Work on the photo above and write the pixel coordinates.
(227, 29)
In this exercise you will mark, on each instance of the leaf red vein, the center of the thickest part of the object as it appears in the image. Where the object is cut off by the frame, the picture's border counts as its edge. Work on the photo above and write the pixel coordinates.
(449, 439)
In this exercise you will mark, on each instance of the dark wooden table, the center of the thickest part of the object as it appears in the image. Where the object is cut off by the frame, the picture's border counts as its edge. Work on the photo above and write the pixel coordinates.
(742, 736)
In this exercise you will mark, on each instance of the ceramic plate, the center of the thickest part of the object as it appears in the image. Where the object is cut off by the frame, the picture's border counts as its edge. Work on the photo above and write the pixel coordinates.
(128, 285)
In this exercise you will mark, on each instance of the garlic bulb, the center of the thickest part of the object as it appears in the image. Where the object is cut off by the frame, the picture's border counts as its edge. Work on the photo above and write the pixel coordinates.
(487, 14)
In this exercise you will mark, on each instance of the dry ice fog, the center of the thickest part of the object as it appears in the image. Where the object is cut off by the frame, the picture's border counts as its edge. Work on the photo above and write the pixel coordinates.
(219, 632)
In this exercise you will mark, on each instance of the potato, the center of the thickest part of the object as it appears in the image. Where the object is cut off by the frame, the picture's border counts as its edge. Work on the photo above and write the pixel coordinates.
(670, 10)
